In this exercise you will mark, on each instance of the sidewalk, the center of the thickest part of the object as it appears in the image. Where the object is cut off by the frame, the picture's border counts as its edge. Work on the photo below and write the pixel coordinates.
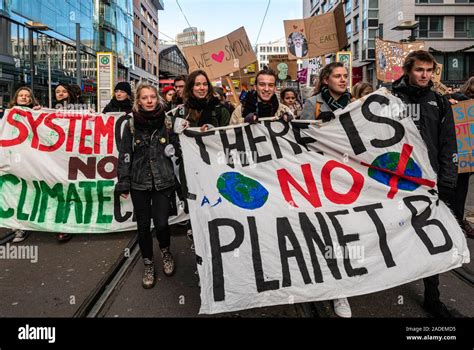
(63, 277)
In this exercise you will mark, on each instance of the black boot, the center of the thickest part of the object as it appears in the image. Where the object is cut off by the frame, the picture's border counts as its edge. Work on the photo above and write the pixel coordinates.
(437, 309)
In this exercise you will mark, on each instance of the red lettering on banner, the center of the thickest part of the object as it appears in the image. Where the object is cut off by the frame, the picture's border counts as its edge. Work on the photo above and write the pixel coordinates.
(339, 198)
(23, 130)
(107, 130)
(311, 196)
(34, 127)
(71, 132)
(59, 130)
(83, 149)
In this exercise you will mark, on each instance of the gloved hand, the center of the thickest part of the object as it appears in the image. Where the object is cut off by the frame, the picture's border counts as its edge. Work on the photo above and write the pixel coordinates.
(447, 195)
(251, 118)
(287, 117)
(326, 116)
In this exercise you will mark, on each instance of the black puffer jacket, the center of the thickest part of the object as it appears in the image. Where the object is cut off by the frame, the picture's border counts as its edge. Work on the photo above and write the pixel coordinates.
(142, 162)
(118, 106)
(436, 126)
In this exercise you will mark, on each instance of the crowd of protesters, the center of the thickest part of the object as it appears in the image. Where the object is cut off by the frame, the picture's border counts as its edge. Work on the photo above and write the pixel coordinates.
(145, 169)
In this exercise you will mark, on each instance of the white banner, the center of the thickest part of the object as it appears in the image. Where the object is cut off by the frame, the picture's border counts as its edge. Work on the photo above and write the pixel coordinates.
(303, 212)
(58, 170)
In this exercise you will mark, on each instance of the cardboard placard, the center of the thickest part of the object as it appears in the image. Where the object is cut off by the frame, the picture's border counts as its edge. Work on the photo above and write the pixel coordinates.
(317, 35)
(283, 67)
(221, 56)
(441, 88)
(346, 58)
(436, 77)
(463, 113)
(389, 58)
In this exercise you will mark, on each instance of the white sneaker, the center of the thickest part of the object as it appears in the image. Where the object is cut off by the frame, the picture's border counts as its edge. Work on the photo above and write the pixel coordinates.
(342, 308)
(20, 236)
(189, 235)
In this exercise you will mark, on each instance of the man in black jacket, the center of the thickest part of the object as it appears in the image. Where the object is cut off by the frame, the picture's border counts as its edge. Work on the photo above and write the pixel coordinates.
(434, 120)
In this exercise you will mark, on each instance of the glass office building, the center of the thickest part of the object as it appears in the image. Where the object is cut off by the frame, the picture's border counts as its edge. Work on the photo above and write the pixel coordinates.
(105, 25)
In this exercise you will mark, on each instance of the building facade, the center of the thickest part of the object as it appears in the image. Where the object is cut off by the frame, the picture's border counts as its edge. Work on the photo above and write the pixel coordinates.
(446, 26)
(105, 25)
(277, 47)
(145, 41)
(172, 64)
(190, 37)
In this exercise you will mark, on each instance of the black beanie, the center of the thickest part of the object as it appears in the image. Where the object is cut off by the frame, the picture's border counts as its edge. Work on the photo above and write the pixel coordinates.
(124, 86)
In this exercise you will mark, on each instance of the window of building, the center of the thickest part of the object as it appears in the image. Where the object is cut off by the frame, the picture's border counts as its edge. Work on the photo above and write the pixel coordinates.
(347, 7)
(143, 64)
(324, 7)
(262, 49)
(349, 29)
(429, 1)
(464, 27)
(356, 24)
(430, 26)
(356, 3)
(356, 50)
(455, 66)
(464, 2)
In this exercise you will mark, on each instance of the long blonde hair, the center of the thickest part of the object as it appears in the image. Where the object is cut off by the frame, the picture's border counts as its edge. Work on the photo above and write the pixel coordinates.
(359, 88)
(138, 91)
(13, 102)
(468, 87)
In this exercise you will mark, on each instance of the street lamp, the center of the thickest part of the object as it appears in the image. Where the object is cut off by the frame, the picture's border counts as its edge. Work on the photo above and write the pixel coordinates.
(408, 25)
(33, 26)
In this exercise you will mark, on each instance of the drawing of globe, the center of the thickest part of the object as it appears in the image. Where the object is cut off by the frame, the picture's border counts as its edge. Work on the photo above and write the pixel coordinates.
(242, 191)
(390, 162)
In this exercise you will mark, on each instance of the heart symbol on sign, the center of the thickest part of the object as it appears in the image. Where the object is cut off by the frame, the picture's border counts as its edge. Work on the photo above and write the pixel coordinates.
(295, 27)
(301, 30)
(219, 57)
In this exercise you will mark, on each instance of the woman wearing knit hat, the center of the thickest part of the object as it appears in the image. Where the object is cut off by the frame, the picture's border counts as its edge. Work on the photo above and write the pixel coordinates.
(167, 93)
(122, 100)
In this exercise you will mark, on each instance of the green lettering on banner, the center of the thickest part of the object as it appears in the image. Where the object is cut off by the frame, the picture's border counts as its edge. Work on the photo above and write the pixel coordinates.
(55, 192)
(8, 213)
(73, 198)
(88, 186)
(101, 218)
(34, 212)
(24, 189)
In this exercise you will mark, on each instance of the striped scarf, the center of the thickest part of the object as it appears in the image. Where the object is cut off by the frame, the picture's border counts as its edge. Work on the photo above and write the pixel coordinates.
(341, 102)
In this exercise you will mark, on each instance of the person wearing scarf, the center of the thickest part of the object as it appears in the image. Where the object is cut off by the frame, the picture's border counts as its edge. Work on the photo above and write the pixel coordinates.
(122, 99)
(23, 97)
(145, 171)
(331, 93)
(64, 96)
(201, 109)
(262, 102)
